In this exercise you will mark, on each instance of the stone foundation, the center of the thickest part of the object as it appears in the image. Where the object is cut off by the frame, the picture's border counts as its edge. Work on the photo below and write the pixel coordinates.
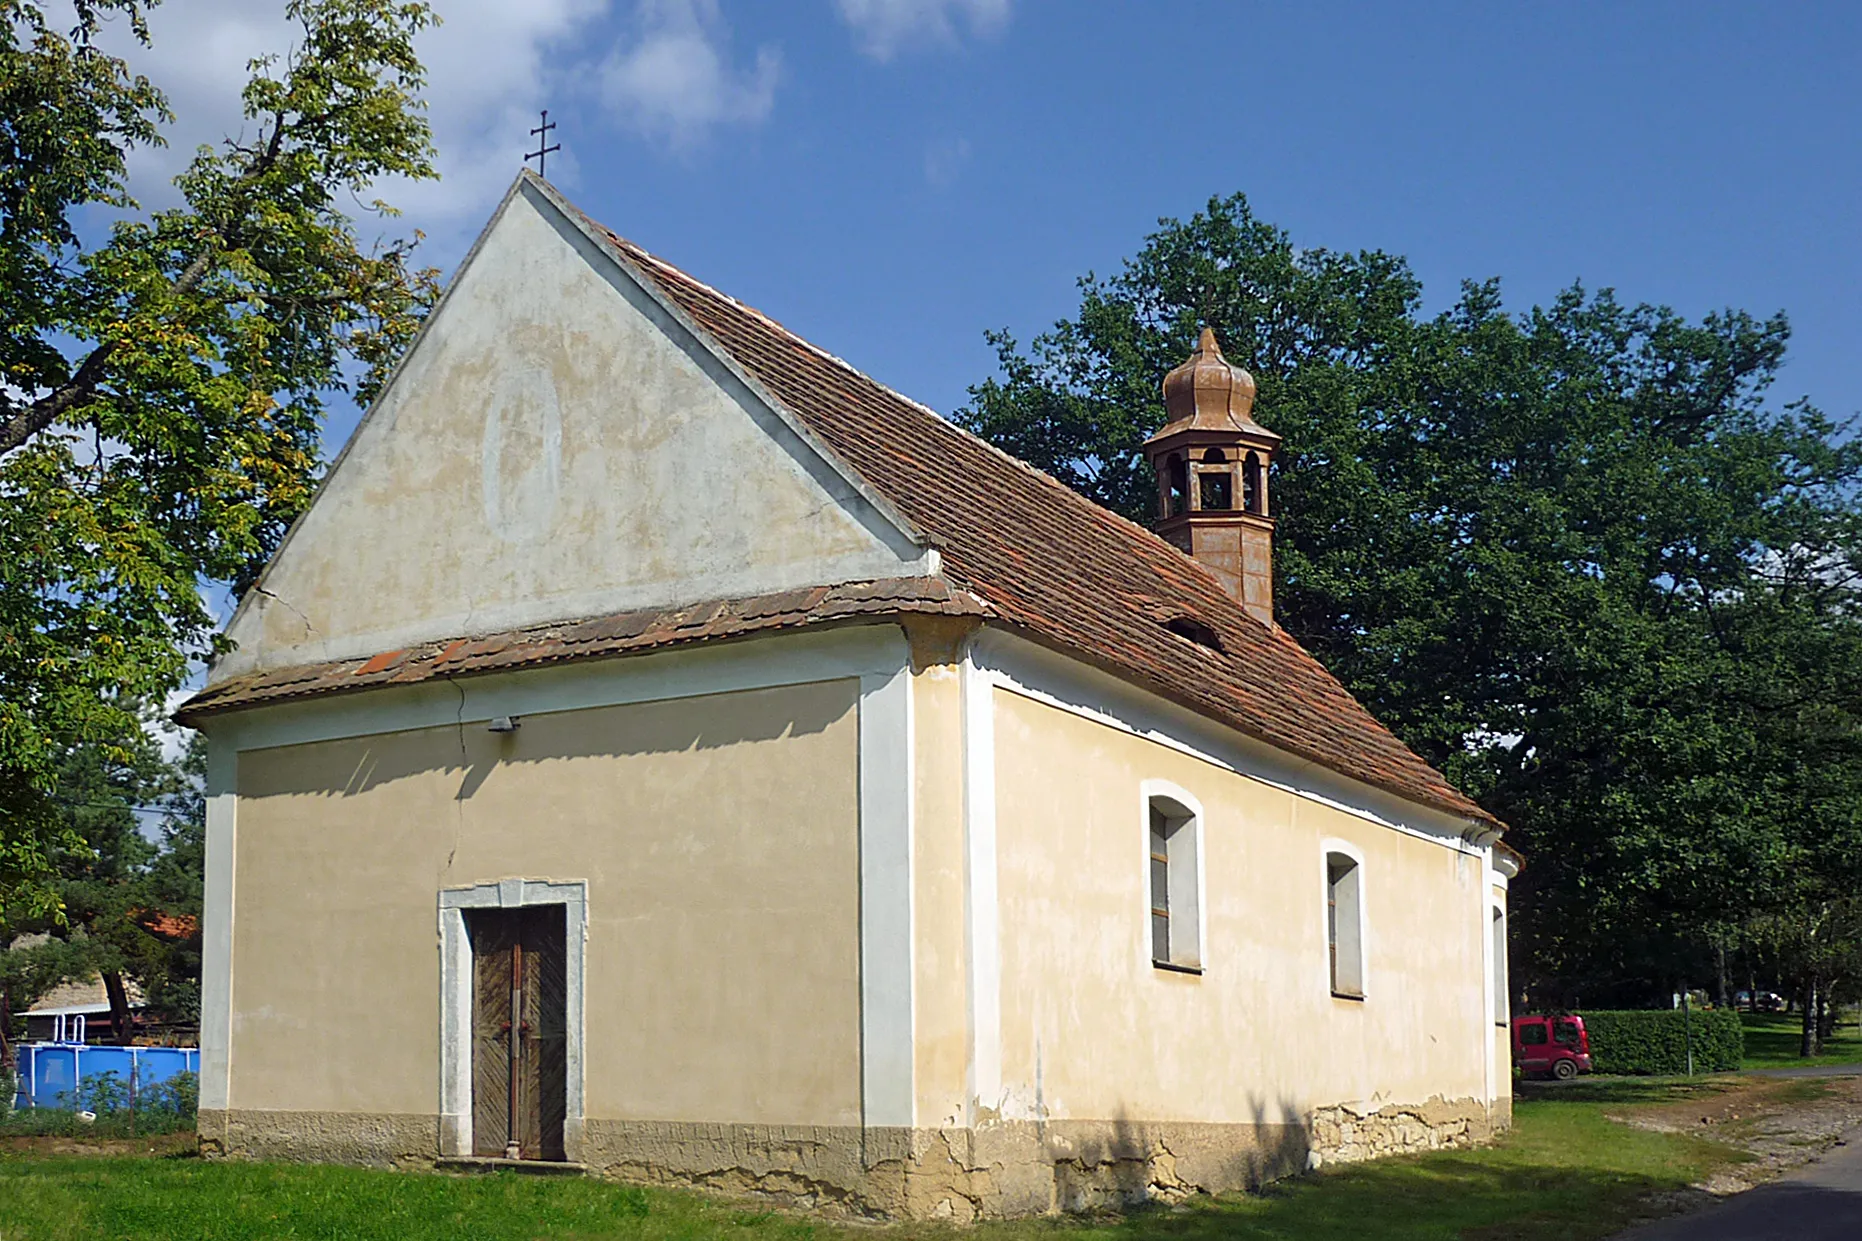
(1005, 1168)
(372, 1139)
(1352, 1133)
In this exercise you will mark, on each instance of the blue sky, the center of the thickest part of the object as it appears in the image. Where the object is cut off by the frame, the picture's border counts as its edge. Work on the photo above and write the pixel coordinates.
(892, 177)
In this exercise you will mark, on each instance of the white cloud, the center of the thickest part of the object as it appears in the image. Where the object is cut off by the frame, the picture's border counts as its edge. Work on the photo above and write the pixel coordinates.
(488, 71)
(490, 68)
(672, 80)
(885, 27)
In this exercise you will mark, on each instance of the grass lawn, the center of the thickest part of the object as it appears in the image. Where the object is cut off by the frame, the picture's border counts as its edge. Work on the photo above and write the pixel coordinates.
(55, 1123)
(1566, 1173)
(1772, 1040)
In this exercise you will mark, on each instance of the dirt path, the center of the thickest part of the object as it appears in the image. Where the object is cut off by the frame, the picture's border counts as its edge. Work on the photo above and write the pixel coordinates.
(159, 1144)
(1819, 1202)
(1783, 1123)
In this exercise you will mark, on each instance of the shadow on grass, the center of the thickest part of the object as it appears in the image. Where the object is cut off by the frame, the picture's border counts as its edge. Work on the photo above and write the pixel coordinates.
(1437, 1198)
(1621, 1090)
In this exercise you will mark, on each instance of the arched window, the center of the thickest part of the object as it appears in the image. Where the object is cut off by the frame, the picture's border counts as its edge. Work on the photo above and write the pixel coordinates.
(1254, 485)
(1216, 488)
(1175, 884)
(1502, 1002)
(1179, 474)
(1344, 924)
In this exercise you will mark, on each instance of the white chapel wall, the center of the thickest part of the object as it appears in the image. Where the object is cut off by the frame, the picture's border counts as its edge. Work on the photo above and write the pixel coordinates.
(1091, 1028)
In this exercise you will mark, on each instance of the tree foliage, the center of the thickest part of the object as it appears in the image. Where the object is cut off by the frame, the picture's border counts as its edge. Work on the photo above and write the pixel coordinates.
(128, 898)
(165, 371)
(1576, 557)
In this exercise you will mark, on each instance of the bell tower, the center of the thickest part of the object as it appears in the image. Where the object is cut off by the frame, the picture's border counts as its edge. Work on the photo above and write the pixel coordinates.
(1211, 461)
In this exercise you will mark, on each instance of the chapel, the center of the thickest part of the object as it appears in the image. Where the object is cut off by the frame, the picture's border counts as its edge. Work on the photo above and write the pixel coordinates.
(664, 750)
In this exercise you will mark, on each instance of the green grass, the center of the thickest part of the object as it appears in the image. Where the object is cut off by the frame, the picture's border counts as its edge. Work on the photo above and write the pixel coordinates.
(1772, 1040)
(58, 1123)
(1565, 1172)
(78, 1199)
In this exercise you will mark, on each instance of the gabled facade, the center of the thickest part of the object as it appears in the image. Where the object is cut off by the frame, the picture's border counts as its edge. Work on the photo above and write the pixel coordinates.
(662, 748)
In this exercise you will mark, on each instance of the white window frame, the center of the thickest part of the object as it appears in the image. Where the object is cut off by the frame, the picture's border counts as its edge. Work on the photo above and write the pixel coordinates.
(1186, 877)
(1328, 849)
(1498, 930)
(456, 1001)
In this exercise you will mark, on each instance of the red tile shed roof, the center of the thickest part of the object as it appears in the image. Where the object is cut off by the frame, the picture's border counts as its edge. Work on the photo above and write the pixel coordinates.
(623, 633)
(1057, 566)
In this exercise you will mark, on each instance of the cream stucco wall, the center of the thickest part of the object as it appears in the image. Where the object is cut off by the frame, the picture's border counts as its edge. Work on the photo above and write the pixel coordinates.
(1091, 1029)
(941, 1008)
(717, 835)
(555, 446)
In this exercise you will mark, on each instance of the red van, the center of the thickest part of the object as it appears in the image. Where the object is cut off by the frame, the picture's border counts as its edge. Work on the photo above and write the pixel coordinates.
(1556, 1045)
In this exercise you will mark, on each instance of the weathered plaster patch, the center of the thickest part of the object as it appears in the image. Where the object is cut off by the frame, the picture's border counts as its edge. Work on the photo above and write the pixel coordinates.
(1352, 1133)
(1015, 1168)
(370, 1139)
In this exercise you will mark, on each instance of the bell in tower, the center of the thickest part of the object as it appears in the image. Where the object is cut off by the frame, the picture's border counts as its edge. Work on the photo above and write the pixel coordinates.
(1211, 461)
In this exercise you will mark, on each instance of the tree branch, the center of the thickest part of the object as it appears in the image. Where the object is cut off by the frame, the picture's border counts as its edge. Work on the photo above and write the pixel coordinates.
(83, 384)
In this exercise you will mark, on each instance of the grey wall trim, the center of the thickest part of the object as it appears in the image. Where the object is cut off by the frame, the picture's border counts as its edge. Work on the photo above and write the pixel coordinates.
(887, 1089)
(216, 947)
(456, 999)
(981, 901)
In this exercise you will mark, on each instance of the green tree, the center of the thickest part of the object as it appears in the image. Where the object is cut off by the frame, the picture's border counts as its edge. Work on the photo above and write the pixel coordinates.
(166, 373)
(1574, 557)
(28, 970)
(129, 897)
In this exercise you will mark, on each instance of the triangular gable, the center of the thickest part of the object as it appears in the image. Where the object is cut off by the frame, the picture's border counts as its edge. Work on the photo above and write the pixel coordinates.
(560, 442)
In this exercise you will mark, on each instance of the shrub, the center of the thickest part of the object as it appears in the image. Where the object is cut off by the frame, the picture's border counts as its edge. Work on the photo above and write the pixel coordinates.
(179, 1096)
(1655, 1041)
(103, 1093)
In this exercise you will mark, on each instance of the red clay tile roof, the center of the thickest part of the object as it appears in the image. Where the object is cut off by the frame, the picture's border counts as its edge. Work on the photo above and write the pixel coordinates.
(620, 634)
(1057, 566)
(1017, 547)
(166, 926)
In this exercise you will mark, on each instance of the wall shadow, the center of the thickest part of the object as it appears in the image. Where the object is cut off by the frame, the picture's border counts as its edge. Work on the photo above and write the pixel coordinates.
(352, 766)
(1444, 1195)
(1142, 1163)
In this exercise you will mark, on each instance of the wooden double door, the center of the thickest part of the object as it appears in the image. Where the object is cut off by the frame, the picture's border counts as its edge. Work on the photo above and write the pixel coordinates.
(519, 1031)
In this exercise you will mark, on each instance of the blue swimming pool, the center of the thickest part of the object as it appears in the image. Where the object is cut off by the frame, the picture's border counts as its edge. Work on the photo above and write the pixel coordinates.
(56, 1074)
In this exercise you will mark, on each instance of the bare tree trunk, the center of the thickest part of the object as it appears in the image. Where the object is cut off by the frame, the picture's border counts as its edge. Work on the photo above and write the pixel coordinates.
(1810, 1046)
(1826, 1015)
(119, 1006)
(6, 1043)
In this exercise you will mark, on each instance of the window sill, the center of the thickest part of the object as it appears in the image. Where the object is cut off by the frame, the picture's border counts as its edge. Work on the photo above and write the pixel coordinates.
(1357, 996)
(1174, 968)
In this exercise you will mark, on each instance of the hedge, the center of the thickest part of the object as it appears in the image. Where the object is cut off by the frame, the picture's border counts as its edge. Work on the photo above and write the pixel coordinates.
(1655, 1041)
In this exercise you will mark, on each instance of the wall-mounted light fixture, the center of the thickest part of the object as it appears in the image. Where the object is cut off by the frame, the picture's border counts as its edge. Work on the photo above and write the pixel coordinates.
(503, 724)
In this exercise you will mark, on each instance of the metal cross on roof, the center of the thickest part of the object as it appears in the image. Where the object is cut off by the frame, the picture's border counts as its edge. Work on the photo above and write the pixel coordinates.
(542, 134)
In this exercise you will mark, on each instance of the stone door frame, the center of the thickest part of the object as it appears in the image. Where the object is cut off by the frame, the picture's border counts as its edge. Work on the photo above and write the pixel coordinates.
(456, 1001)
